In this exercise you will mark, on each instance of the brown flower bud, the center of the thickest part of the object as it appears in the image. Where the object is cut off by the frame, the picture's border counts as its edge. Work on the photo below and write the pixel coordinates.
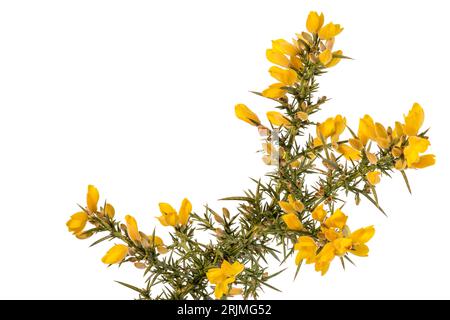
(235, 291)
(226, 213)
(357, 199)
(144, 240)
(218, 218)
(263, 131)
(304, 106)
(162, 249)
(307, 37)
(322, 46)
(313, 58)
(140, 265)
(219, 232)
(329, 44)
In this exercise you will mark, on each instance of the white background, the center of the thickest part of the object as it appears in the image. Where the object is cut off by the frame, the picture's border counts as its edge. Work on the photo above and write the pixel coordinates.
(137, 97)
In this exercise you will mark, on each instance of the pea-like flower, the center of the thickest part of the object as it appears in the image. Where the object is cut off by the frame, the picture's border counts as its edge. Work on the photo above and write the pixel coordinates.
(307, 248)
(331, 128)
(77, 222)
(170, 217)
(116, 254)
(274, 91)
(224, 276)
(92, 198)
(314, 21)
(330, 31)
(132, 228)
(245, 114)
(277, 119)
(373, 177)
(285, 76)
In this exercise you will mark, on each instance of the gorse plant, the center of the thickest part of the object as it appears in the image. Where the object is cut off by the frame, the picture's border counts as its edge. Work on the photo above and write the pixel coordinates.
(296, 210)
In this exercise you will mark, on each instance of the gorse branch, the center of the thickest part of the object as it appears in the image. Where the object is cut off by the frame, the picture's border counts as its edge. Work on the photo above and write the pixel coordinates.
(296, 209)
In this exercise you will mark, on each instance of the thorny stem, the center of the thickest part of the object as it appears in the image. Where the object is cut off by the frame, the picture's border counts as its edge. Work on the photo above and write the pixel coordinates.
(257, 232)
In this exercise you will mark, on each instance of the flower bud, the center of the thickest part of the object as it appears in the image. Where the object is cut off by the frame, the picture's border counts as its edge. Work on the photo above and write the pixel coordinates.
(218, 218)
(302, 115)
(219, 232)
(307, 37)
(226, 213)
(371, 157)
(140, 265)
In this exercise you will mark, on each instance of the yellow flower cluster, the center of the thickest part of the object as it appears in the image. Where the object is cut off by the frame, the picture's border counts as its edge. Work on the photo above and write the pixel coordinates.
(221, 277)
(292, 208)
(335, 240)
(118, 252)
(290, 59)
(316, 163)
(404, 141)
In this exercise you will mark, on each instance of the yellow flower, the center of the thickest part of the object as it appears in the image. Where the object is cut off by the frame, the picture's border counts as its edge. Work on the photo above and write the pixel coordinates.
(349, 152)
(245, 114)
(366, 129)
(400, 164)
(295, 63)
(285, 76)
(383, 139)
(132, 228)
(359, 239)
(292, 221)
(330, 31)
(331, 234)
(325, 57)
(414, 120)
(274, 91)
(319, 213)
(373, 177)
(336, 59)
(356, 143)
(277, 119)
(116, 254)
(292, 205)
(324, 258)
(222, 277)
(284, 47)
(170, 217)
(424, 161)
(342, 245)
(277, 58)
(109, 210)
(307, 248)
(77, 222)
(416, 145)
(92, 198)
(398, 131)
(332, 127)
(314, 22)
(337, 220)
